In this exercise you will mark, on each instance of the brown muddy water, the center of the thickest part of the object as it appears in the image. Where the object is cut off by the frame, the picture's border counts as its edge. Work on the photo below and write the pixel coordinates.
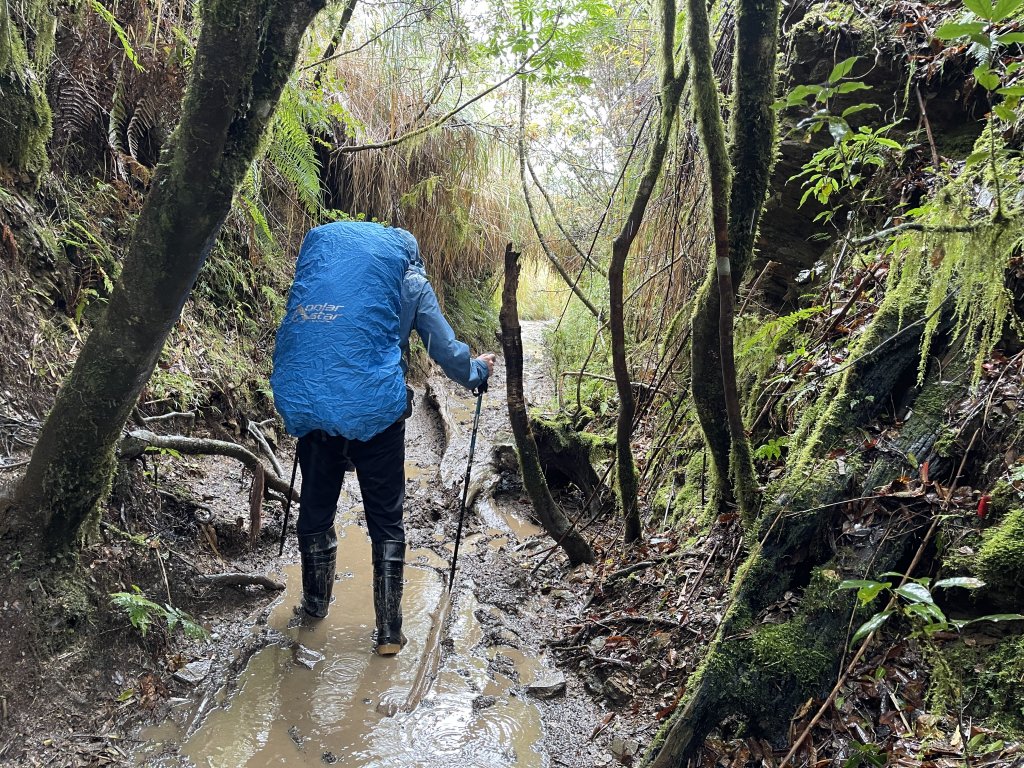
(318, 696)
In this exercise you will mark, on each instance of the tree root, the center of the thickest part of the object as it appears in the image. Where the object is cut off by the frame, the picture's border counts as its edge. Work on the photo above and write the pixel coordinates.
(137, 441)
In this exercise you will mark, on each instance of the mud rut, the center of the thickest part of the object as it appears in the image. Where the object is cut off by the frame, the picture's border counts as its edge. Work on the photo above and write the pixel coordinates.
(306, 695)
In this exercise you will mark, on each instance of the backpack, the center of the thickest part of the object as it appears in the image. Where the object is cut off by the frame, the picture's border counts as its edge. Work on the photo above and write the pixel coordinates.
(337, 358)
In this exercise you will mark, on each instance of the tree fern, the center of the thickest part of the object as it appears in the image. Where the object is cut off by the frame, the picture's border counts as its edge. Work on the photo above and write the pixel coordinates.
(292, 153)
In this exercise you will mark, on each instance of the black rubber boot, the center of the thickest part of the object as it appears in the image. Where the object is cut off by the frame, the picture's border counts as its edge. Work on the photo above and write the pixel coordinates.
(388, 567)
(318, 551)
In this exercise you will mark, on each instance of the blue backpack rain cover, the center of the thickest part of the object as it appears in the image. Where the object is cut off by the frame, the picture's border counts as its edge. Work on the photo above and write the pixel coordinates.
(337, 361)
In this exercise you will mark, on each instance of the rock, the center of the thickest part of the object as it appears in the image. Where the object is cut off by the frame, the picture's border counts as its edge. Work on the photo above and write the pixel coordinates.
(624, 750)
(194, 672)
(306, 657)
(548, 686)
(618, 689)
(483, 702)
(296, 735)
(503, 665)
(329, 757)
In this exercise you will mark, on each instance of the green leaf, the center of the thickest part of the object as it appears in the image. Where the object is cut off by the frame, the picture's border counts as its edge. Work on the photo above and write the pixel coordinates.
(852, 85)
(108, 17)
(976, 157)
(842, 69)
(857, 108)
(966, 582)
(982, 8)
(1004, 8)
(986, 78)
(995, 617)
(1003, 112)
(1010, 37)
(915, 593)
(870, 625)
(1011, 90)
(953, 31)
(867, 590)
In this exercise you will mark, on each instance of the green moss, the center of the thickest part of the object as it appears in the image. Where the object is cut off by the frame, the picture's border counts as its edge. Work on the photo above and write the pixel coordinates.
(28, 121)
(820, 593)
(1001, 557)
(789, 651)
(987, 681)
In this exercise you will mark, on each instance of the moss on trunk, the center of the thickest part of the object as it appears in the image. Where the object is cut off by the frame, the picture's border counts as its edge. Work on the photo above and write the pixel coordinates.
(245, 54)
(759, 672)
(27, 122)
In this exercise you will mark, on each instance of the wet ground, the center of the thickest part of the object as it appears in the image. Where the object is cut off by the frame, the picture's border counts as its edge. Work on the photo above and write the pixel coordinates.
(315, 694)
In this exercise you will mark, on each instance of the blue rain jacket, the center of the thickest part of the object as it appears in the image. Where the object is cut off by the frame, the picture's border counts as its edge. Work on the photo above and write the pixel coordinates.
(359, 291)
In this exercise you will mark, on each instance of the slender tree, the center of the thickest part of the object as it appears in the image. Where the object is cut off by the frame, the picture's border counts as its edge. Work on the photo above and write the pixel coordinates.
(245, 54)
(740, 176)
(547, 510)
(672, 79)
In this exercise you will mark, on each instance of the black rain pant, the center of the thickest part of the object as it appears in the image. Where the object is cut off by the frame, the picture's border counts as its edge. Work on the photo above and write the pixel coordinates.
(380, 469)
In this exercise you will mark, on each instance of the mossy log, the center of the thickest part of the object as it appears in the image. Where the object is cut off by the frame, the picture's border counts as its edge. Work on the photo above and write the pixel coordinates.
(245, 54)
(565, 451)
(761, 672)
(547, 511)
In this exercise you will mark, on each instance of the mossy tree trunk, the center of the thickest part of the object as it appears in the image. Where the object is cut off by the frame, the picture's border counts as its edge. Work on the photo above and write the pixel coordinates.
(547, 511)
(245, 54)
(671, 83)
(742, 179)
(27, 120)
(763, 671)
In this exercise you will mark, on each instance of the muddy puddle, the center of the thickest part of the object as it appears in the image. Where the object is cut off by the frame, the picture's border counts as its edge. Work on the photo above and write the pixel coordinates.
(317, 696)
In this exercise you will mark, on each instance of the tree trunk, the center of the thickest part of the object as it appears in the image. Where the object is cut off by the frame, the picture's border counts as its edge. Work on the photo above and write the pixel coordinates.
(245, 54)
(763, 670)
(671, 89)
(27, 121)
(742, 180)
(544, 506)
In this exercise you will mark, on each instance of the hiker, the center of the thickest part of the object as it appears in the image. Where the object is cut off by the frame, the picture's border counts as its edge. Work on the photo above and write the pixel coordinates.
(340, 361)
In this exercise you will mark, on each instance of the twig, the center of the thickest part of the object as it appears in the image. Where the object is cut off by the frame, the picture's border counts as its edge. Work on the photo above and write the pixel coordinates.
(927, 129)
(261, 439)
(15, 465)
(900, 332)
(913, 226)
(140, 439)
(163, 571)
(189, 416)
(757, 283)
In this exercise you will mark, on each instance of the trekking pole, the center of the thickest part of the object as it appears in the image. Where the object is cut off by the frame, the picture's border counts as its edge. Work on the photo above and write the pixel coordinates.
(288, 502)
(479, 392)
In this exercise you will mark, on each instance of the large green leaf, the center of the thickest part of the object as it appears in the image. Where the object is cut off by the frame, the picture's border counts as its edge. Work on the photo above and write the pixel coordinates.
(871, 625)
(982, 8)
(842, 69)
(953, 31)
(915, 593)
(1004, 8)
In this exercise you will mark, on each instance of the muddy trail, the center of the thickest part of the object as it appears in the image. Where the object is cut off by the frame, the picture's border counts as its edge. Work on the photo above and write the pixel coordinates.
(274, 690)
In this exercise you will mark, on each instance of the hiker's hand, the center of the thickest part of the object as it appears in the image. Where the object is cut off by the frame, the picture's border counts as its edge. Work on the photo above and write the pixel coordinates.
(490, 359)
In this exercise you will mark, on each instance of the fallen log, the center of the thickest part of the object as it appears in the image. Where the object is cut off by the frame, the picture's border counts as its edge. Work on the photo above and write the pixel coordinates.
(239, 580)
